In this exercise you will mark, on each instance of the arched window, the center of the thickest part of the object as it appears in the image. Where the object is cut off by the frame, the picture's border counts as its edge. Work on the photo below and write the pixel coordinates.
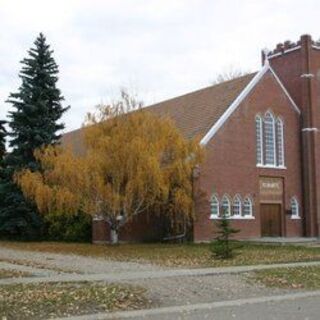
(269, 139)
(294, 208)
(247, 207)
(214, 203)
(226, 206)
(280, 144)
(259, 138)
(236, 206)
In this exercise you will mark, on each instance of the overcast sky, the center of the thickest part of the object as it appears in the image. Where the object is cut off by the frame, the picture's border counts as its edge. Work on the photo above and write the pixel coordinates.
(157, 48)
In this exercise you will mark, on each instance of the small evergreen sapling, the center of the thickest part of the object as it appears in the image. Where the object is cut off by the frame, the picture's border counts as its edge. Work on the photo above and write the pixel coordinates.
(222, 247)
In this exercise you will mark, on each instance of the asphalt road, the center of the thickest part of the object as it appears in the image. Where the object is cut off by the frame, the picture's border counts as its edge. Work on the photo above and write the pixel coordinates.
(300, 309)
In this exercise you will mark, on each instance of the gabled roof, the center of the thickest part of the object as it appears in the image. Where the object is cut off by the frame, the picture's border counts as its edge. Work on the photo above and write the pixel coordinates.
(200, 113)
(196, 112)
(193, 113)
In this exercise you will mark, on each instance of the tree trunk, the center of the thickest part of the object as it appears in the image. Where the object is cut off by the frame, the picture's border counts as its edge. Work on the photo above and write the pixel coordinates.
(114, 236)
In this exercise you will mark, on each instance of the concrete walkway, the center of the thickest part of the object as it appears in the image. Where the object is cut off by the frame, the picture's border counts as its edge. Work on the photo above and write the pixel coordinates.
(37, 272)
(72, 262)
(284, 240)
(185, 311)
(109, 277)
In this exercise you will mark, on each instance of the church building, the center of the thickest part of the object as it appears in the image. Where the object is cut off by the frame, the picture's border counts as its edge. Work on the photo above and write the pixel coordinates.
(262, 141)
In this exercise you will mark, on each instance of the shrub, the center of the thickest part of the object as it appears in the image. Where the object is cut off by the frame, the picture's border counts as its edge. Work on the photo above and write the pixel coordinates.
(66, 227)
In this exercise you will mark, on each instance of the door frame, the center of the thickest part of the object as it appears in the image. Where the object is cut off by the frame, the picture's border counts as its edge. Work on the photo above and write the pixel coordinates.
(280, 201)
(280, 204)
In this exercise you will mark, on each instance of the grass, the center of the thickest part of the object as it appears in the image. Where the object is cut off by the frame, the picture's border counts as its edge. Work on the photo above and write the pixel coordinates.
(290, 278)
(176, 255)
(43, 301)
(4, 273)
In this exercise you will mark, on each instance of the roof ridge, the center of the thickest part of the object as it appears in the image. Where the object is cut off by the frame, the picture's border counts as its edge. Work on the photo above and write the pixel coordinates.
(199, 90)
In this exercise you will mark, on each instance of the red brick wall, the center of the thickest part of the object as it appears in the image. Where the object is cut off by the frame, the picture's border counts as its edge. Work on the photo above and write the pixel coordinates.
(230, 165)
(291, 69)
(100, 231)
(142, 228)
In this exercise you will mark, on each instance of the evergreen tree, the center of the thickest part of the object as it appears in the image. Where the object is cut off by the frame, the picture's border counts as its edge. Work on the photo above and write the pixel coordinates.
(37, 108)
(3, 134)
(222, 247)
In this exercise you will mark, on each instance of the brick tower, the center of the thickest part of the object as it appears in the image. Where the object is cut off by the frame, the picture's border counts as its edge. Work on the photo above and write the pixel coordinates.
(298, 67)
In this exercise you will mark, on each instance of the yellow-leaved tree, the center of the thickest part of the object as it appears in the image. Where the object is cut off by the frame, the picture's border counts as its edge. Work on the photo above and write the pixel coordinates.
(134, 162)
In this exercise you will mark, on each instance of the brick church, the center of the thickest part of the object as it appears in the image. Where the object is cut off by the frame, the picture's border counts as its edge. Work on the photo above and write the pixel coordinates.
(262, 141)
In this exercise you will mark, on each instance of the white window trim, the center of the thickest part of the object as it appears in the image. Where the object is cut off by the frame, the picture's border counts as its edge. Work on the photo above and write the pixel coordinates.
(259, 118)
(213, 216)
(295, 216)
(251, 207)
(236, 198)
(269, 166)
(270, 114)
(275, 146)
(279, 120)
(274, 141)
(229, 205)
(235, 217)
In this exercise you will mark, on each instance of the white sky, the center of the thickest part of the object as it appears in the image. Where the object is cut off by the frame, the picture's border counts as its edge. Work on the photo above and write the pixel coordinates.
(158, 48)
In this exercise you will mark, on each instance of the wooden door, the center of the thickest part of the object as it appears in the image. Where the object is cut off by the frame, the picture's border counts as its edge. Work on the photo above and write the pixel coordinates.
(270, 220)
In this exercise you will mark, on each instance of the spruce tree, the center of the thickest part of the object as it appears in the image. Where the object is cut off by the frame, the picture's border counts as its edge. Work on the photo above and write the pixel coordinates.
(3, 134)
(34, 122)
(222, 247)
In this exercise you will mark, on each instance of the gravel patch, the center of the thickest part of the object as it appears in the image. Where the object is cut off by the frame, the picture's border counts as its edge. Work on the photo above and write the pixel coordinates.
(201, 289)
(74, 263)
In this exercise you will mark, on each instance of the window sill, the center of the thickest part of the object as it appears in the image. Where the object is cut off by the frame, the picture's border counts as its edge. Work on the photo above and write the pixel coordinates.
(295, 218)
(213, 217)
(266, 166)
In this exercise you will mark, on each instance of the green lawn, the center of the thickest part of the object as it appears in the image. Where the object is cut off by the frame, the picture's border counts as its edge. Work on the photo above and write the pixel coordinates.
(43, 301)
(176, 255)
(293, 278)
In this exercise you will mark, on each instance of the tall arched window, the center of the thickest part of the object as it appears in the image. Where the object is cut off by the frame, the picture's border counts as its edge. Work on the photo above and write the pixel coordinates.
(247, 207)
(214, 204)
(294, 208)
(226, 206)
(236, 206)
(280, 144)
(259, 137)
(269, 139)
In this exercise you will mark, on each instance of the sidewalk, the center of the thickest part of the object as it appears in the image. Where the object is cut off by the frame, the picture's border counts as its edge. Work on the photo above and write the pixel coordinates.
(154, 274)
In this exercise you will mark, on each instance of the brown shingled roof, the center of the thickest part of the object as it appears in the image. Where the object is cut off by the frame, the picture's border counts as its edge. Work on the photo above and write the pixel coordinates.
(193, 113)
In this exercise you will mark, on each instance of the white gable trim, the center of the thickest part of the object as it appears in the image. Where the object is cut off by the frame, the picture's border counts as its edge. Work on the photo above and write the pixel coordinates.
(213, 130)
(234, 105)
